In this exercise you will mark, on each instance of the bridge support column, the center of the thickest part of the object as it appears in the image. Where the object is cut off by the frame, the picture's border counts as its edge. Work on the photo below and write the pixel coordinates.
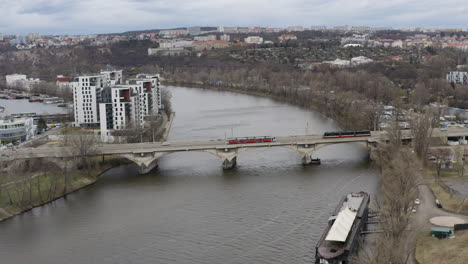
(308, 159)
(147, 168)
(227, 155)
(229, 164)
(306, 151)
(146, 161)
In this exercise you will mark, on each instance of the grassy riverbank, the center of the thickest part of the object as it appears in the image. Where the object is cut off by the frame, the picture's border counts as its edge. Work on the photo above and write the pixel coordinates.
(44, 181)
(22, 193)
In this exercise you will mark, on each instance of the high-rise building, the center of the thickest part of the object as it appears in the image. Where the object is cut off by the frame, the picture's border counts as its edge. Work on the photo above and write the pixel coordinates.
(103, 101)
(127, 106)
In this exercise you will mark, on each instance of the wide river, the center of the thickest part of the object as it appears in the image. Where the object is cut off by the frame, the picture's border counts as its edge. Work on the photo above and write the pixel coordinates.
(270, 209)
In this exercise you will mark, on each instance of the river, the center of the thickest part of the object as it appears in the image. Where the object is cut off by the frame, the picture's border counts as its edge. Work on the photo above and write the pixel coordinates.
(270, 209)
(24, 106)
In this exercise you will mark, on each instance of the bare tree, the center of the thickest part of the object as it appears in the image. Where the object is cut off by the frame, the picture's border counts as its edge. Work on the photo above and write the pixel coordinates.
(421, 130)
(83, 145)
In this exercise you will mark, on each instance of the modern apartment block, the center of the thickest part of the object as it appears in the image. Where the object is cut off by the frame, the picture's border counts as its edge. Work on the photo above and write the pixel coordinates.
(458, 77)
(104, 101)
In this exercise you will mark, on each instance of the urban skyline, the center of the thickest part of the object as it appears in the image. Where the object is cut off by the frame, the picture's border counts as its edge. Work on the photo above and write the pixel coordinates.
(97, 17)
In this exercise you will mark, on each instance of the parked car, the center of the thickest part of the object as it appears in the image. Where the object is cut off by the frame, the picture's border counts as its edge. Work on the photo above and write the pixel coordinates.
(414, 209)
(438, 204)
(417, 201)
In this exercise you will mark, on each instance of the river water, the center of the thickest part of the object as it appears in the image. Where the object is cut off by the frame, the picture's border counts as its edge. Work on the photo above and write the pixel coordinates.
(270, 209)
(24, 106)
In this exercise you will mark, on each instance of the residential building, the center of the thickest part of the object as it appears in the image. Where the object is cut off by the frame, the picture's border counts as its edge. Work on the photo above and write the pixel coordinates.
(173, 32)
(253, 40)
(87, 93)
(460, 46)
(457, 77)
(1, 37)
(225, 37)
(295, 28)
(179, 43)
(205, 38)
(360, 60)
(210, 44)
(15, 79)
(16, 129)
(63, 82)
(21, 81)
(129, 105)
(286, 37)
(103, 100)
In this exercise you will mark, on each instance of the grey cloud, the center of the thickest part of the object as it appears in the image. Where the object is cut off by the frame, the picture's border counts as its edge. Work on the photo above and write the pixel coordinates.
(48, 7)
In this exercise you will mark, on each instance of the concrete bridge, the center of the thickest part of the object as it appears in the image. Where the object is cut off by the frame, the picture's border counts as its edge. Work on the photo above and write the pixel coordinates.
(146, 155)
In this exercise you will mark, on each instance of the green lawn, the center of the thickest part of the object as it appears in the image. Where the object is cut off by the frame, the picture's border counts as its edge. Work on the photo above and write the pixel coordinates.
(431, 250)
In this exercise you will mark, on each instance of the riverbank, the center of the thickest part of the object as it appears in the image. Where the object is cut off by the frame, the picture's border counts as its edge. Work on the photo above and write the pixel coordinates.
(34, 190)
(300, 101)
(22, 193)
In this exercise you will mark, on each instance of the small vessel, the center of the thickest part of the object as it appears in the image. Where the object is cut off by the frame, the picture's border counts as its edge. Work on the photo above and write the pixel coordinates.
(53, 100)
(34, 100)
(344, 227)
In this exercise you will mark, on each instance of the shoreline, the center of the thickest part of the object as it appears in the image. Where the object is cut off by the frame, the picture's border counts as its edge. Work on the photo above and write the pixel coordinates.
(98, 174)
(5, 214)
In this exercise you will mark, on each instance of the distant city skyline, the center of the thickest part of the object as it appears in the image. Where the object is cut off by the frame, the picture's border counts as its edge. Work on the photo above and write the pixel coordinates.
(105, 16)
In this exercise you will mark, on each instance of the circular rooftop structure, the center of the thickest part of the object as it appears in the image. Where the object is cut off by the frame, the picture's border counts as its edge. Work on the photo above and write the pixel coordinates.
(447, 221)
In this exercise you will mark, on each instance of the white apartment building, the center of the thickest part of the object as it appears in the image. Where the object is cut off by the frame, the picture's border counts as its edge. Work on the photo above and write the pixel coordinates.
(457, 77)
(87, 91)
(21, 80)
(253, 40)
(225, 37)
(102, 100)
(129, 105)
(205, 38)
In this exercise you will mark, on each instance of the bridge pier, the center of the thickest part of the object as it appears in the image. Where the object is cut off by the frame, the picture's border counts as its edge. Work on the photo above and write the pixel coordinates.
(146, 161)
(147, 168)
(308, 159)
(306, 151)
(229, 164)
(227, 155)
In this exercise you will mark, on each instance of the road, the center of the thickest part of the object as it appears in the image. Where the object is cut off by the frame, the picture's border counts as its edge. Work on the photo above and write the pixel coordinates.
(175, 146)
(419, 222)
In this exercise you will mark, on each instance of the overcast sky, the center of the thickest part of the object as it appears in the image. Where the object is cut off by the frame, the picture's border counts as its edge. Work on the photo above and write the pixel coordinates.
(108, 16)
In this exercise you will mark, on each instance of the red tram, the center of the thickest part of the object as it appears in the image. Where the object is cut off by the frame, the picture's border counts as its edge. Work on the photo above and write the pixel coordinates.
(249, 140)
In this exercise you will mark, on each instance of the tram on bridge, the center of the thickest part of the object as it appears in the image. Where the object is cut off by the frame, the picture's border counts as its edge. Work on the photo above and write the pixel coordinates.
(249, 140)
(346, 134)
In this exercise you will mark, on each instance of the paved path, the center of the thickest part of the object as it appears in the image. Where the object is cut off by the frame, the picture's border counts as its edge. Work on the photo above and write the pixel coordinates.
(420, 220)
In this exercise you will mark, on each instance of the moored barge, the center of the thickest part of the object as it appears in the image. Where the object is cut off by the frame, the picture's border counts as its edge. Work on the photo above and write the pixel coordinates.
(343, 230)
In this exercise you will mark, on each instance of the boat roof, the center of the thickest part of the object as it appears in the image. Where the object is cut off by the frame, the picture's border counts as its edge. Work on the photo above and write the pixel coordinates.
(342, 225)
(345, 219)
